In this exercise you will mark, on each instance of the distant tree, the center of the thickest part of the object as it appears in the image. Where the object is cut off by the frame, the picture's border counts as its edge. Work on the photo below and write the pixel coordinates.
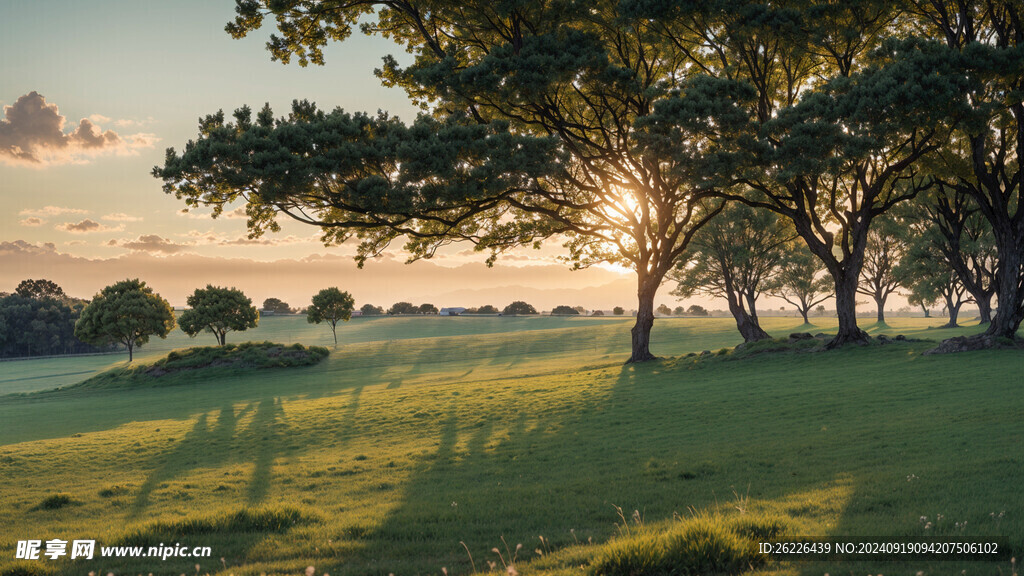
(664, 310)
(618, 311)
(34, 326)
(732, 257)
(598, 313)
(371, 310)
(697, 310)
(276, 306)
(949, 220)
(487, 309)
(926, 273)
(519, 307)
(403, 308)
(801, 280)
(580, 309)
(218, 311)
(879, 278)
(332, 306)
(128, 313)
(564, 311)
(678, 311)
(427, 309)
(39, 289)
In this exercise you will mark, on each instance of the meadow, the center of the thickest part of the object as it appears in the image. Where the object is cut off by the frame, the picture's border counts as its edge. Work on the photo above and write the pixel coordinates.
(421, 445)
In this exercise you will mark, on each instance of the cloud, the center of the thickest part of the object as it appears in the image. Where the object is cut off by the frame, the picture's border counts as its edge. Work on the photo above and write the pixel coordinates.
(237, 213)
(33, 221)
(151, 243)
(32, 133)
(99, 118)
(46, 211)
(122, 217)
(86, 226)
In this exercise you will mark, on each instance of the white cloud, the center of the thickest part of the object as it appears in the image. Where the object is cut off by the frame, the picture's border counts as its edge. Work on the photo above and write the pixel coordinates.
(32, 133)
(32, 221)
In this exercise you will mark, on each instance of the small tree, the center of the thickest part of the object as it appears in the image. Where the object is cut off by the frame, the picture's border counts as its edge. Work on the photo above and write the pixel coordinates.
(519, 307)
(618, 311)
(427, 309)
(219, 311)
(128, 312)
(598, 313)
(371, 310)
(801, 280)
(403, 308)
(276, 306)
(487, 309)
(331, 305)
(564, 311)
(886, 245)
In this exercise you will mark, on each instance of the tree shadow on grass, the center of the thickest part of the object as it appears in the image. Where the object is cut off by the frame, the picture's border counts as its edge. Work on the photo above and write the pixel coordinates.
(628, 439)
(263, 441)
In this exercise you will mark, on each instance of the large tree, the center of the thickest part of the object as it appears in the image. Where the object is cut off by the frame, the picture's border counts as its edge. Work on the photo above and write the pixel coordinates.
(553, 119)
(985, 160)
(331, 305)
(128, 312)
(839, 116)
(733, 257)
(218, 310)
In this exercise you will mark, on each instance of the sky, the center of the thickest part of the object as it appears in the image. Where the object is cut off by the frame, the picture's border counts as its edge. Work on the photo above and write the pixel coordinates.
(92, 94)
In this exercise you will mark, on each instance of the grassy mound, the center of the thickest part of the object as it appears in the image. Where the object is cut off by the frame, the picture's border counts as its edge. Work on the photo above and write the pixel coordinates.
(699, 545)
(208, 360)
(249, 520)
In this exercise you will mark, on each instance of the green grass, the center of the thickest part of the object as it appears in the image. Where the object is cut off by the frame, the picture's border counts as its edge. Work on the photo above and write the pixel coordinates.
(395, 450)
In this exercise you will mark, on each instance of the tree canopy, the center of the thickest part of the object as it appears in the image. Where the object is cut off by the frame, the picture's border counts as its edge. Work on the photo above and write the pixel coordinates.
(41, 288)
(128, 312)
(518, 307)
(218, 310)
(277, 306)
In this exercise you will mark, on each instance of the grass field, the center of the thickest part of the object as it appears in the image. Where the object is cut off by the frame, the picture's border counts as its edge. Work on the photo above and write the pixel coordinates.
(417, 435)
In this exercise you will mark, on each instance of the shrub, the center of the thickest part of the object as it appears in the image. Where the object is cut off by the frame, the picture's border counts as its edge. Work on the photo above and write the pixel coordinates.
(55, 501)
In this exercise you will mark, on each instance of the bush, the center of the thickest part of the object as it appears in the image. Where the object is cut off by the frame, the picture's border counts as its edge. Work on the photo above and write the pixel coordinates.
(564, 311)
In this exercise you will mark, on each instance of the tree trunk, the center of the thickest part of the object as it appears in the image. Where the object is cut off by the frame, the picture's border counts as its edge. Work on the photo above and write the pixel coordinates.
(745, 323)
(846, 310)
(1008, 289)
(954, 312)
(334, 330)
(880, 303)
(130, 352)
(984, 308)
(646, 289)
(803, 312)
